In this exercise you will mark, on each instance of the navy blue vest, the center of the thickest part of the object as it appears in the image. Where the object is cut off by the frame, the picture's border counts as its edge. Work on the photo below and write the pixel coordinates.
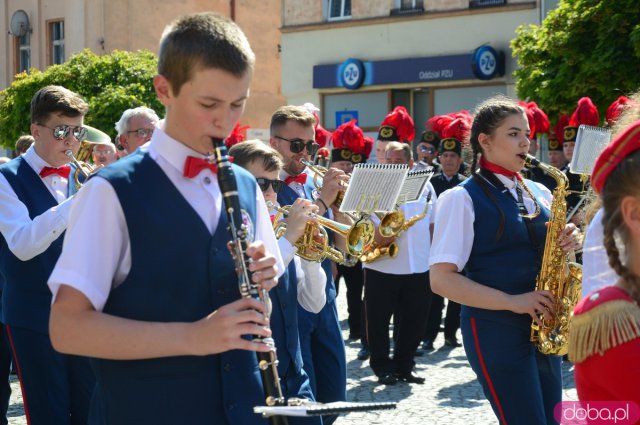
(287, 197)
(179, 273)
(511, 263)
(26, 299)
(284, 323)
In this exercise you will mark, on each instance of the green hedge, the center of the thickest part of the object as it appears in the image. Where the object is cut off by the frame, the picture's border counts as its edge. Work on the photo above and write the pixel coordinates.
(109, 83)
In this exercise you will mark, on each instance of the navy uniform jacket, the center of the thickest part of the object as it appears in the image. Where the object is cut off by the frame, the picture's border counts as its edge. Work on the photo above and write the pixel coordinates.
(440, 182)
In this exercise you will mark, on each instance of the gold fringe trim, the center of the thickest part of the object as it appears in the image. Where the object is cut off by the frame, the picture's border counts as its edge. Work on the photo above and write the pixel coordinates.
(604, 327)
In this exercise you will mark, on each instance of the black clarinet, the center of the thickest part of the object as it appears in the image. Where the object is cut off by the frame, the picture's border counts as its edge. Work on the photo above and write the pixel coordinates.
(267, 362)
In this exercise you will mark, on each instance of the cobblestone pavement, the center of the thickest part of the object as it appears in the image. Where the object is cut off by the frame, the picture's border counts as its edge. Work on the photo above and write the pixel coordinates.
(450, 396)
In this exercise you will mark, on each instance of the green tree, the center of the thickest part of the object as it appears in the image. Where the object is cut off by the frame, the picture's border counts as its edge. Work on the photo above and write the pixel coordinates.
(583, 48)
(109, 83)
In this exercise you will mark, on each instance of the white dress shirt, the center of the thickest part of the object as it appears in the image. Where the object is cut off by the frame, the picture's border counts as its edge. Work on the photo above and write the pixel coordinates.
(96, 255)
(453, 233)
(312, 279)
(596, 271)
(413, 244)
(27, 238)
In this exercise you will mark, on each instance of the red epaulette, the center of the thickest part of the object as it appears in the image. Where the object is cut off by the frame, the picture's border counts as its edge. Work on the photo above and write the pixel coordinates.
(603, 320)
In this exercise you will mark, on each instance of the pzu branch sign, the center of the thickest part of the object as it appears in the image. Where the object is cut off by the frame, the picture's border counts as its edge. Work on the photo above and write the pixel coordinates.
(486, 63)
(352, 74)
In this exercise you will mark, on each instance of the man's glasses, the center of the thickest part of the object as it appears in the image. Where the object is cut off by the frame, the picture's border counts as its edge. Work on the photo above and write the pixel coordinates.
(142, 132)
(424, 149)
(298, 145)
(60, 132)
(264, 184)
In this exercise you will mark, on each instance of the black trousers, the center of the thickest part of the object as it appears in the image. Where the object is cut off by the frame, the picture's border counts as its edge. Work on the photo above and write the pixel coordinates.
(354, 281)
(386, 294)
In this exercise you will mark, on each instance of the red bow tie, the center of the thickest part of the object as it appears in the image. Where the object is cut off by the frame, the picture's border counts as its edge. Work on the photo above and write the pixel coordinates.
(62, 171)
(300, 178)
(193, 166)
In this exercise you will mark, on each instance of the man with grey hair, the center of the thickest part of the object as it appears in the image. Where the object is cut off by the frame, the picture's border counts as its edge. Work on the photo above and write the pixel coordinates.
(135, 128)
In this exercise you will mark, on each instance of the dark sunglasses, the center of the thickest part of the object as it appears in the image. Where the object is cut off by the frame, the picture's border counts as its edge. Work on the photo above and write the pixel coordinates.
(425, 149)
(298, 145)
(277, 185)
(60, 132)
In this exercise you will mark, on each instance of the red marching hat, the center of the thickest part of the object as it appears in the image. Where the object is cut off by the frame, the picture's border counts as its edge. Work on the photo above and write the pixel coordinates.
(538, 120)
(586, 113)
(349, 144)
(623, 145)
(452, 129)
(615, 109)
(397, 126)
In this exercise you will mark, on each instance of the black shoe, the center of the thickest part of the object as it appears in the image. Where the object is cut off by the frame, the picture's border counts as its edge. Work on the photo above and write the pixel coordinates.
(363, 354)
(387, 379)
(427, 345)
(419, 352)
(452, 342)
(410, 377)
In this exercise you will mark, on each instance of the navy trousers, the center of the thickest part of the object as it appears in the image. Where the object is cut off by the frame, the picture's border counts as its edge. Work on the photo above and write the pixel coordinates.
(56, 388)
(323, 354)
(298, 385)
(522, 385)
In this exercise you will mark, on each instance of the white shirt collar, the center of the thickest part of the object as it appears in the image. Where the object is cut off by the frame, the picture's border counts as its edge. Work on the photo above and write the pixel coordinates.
(34, 160)
(509, 183)
(172, 151)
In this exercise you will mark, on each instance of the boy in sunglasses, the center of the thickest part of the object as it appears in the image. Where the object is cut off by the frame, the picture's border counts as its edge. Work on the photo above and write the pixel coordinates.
(36, 192)
(302, 284)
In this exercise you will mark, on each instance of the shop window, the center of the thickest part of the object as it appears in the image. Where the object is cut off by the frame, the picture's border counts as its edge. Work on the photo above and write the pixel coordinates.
(338, 9)
(56, 42)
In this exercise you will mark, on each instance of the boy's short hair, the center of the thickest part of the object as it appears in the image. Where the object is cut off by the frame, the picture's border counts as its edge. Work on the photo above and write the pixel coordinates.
(397, 146)
(23, 143)
(249, 151)
(56, 100)
(287, 113)
(202, 41)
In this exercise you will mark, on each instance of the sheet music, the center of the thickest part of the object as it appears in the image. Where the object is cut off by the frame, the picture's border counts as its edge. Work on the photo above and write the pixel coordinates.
(590, 141)
(374, 187)
(315, 409)
(414, 185)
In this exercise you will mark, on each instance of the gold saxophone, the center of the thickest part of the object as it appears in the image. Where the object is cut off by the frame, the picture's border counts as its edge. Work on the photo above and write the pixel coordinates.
(391, 225)
(558, 275)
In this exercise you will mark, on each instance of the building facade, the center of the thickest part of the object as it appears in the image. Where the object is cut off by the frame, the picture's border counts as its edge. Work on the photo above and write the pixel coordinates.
(361, 58)
(56, 29)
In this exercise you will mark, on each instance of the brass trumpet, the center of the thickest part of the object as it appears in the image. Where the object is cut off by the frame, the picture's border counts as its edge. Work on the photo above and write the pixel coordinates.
(82, 167)
(314, 243)
(319, 171)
